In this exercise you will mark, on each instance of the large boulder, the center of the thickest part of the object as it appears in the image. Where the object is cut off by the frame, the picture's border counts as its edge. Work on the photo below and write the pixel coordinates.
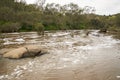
(16, 53)
(26, 51)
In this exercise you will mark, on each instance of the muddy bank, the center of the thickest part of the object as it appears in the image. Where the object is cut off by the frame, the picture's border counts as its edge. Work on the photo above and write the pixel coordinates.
(116, 34)
(73, 56)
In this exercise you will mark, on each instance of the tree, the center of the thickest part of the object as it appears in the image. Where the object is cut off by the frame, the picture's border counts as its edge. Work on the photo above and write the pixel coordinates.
(40, 4)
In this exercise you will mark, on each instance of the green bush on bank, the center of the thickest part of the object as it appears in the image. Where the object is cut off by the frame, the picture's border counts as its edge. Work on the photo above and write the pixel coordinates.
(9, 27)
(39, 27)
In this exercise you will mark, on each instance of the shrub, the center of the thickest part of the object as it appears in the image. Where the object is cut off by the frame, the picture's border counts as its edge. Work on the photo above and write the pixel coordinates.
(39, 28)
(9, 27)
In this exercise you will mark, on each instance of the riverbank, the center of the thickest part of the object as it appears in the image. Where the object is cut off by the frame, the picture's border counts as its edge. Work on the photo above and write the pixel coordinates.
(115, 33)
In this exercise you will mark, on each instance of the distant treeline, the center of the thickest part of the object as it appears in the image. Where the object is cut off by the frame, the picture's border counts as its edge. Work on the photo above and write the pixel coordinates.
(19, 16)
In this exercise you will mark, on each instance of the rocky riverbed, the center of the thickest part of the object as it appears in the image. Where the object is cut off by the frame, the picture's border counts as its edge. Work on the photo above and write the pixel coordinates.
(73, 55)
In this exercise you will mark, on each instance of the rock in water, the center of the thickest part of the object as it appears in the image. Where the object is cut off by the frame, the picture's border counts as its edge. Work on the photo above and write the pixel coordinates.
(103, 31)
(32, 51)
(16, 53)
(26, 51)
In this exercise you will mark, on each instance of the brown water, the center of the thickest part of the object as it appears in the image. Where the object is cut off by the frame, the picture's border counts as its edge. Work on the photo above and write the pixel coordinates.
(73, 56)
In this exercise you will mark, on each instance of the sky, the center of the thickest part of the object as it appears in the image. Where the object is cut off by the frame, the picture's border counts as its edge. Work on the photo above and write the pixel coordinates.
(102, 7)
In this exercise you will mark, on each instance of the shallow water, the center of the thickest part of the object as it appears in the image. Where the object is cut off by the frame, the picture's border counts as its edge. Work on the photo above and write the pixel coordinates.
(73, 56)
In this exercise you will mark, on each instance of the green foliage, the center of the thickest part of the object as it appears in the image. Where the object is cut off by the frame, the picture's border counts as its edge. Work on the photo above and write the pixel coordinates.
(114, 29)
(16, 16)
(39, 28)
(19, 16)
(117, 19)
(97, 24)
(9, 27)
(51, 28)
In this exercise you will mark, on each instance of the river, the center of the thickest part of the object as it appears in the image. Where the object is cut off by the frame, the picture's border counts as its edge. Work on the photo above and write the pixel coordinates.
(72, 56)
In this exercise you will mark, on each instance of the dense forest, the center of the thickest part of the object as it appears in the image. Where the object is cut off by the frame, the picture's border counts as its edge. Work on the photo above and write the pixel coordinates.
(16, 15)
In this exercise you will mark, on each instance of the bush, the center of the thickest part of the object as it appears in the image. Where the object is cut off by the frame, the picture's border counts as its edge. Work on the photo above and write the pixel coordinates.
(51, 28)
(114, 29)
(39, 28)
(9, 27)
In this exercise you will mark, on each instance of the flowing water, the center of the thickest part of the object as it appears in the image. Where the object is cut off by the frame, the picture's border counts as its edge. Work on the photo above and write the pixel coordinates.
(72, 56)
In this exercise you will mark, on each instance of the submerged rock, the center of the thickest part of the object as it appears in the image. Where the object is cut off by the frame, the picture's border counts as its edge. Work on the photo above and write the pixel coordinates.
(26, 51)
(103, 31)
(79, 43)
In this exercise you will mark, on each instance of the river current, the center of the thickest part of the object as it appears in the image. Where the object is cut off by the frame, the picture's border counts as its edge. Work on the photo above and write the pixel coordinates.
(72, 56)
